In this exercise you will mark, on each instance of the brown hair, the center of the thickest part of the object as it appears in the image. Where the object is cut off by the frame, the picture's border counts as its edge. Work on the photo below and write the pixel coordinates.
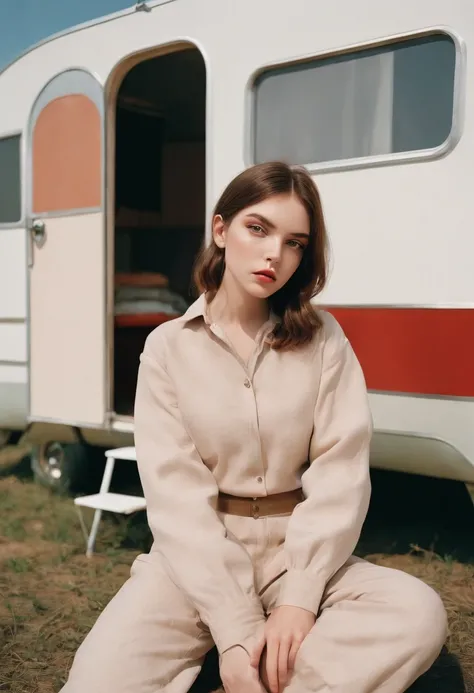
(298, 319)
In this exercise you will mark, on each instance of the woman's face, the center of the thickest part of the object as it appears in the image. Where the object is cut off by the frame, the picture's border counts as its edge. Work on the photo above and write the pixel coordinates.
(264, 243)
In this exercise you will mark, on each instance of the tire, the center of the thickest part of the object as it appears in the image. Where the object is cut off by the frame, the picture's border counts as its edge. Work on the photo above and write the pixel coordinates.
(65, 468)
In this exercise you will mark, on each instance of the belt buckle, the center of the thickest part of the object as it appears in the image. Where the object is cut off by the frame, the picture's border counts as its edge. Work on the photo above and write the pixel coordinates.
(255, 509)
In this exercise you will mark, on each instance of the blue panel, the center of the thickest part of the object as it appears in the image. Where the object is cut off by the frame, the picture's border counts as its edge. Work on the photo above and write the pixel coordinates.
(25, 22)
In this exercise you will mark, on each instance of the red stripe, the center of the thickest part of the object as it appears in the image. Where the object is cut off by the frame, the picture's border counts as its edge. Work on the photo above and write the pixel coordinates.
(414, 350)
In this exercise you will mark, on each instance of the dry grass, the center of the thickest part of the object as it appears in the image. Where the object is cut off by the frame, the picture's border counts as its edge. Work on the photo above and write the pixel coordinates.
(50, 594)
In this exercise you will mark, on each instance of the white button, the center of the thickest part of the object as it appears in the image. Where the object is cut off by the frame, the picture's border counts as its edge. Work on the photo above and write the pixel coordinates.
(247, 383)
(259, 479)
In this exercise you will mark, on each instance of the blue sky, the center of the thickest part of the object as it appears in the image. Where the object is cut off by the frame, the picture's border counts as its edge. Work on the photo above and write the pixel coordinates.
(25, 22)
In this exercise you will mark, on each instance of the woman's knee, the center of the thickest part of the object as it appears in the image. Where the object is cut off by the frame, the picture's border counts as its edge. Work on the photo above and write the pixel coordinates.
(146, 636)
(424, 618)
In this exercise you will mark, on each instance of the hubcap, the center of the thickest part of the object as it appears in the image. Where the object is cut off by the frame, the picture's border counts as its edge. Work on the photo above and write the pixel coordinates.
(52, 459)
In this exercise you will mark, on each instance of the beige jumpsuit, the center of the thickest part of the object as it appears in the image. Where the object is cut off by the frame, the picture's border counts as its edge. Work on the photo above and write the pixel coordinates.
(206, 422)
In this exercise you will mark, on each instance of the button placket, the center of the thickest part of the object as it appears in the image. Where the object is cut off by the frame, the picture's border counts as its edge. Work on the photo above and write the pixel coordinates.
(249, 370)
(260, 479)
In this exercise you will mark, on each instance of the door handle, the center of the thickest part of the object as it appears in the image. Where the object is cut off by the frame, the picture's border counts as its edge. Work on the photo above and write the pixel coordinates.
(38, 232)
(37, 236)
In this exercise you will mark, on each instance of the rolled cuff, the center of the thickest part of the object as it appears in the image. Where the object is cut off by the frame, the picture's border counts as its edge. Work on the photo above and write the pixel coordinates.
(300, 588)
(239, 627)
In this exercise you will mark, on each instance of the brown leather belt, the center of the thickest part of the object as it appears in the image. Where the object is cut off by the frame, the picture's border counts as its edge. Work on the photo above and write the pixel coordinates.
(276, 504)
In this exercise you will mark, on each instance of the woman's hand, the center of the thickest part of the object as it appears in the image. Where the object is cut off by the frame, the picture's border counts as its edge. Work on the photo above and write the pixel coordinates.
(285, 630)
(237, 674)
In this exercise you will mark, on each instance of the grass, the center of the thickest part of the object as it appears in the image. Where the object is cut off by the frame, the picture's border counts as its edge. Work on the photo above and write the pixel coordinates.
(50, 594)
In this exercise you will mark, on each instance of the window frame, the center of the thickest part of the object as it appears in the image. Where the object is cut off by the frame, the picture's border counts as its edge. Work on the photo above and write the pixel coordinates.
(20, 222)
(394, 158)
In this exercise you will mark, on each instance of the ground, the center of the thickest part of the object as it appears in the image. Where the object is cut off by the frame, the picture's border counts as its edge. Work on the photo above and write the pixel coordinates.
(50, 594)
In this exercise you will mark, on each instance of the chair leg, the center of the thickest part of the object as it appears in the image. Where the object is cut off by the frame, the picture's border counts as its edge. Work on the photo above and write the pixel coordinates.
(85, 531)
(93, 533)
(90, 537)
(107, 478)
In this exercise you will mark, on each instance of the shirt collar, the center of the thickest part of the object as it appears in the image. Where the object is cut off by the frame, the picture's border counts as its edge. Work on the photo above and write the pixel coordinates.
(199, 309)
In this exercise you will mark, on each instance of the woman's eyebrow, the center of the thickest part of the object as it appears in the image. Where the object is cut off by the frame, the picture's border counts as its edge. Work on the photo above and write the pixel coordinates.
(263, 219)
(271, 225)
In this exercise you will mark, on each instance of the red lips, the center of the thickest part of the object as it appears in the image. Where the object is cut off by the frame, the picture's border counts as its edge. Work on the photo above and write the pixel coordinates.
(266, 273)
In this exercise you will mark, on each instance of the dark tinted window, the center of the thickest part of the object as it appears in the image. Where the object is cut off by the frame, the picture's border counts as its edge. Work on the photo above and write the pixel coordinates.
(390, 99)
(10, 180)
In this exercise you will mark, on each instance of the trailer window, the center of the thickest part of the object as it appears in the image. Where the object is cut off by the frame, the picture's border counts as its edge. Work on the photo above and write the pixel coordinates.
(387, 100)
(10, 182)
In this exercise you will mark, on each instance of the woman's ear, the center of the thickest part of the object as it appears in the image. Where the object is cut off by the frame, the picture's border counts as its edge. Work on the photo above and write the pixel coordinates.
(219, 231)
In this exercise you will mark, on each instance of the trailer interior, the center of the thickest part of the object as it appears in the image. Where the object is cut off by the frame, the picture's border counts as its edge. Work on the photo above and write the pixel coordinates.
(159, 203)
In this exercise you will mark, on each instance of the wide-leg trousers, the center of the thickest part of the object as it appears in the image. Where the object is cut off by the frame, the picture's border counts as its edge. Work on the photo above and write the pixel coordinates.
(378, 629)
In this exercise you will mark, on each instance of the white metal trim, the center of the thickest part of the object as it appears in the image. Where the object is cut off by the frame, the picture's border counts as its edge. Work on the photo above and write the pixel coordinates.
(151, 4)
(420, 395)
(159, 49)
(11, 362)
(60, 85)
(396, 158)
(68, 213)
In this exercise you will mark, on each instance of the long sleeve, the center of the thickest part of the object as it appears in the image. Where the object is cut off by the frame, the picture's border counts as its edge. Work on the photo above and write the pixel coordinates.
(324, 529)
(214, 571)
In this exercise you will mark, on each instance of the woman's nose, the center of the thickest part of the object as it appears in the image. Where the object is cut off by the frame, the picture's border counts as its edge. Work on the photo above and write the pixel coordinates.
(273, 251)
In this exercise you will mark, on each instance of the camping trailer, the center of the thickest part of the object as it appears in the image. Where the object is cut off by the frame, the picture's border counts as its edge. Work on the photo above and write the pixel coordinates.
(117, 135)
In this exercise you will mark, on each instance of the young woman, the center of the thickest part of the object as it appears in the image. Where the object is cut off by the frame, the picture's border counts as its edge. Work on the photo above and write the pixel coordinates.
(252, 430)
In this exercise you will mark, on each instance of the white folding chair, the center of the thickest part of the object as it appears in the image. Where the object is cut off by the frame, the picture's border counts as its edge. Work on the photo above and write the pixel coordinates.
(106, 501)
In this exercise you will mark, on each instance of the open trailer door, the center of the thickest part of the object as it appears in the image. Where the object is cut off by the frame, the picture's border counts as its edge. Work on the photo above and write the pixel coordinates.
(65, 178)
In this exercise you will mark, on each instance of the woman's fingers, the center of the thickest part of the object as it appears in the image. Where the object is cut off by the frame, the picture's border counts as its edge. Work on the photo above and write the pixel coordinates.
(295, 646)
(273, 646)
(257, 652)
(283, 656)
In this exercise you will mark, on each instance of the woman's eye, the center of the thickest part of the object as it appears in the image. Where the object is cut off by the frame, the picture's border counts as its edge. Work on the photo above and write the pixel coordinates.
(296, 244)
(256, 228)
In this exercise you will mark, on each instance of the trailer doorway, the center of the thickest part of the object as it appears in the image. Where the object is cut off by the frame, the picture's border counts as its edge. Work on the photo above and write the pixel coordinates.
(159, 221)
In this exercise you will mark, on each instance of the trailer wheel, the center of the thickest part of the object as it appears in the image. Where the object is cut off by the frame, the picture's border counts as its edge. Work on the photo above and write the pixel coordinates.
(64, 467)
